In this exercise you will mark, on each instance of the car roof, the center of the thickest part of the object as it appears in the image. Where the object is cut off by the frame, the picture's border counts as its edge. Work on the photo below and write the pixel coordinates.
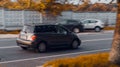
(40, 24)
(92, 19)
(70, 20)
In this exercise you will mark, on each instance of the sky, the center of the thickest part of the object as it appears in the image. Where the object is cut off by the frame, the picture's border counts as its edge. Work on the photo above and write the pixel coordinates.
(102, 1)
(75, 2)
(93, 1)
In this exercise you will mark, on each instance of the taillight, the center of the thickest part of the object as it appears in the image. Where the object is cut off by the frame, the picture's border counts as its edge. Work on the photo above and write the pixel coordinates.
(33, 37)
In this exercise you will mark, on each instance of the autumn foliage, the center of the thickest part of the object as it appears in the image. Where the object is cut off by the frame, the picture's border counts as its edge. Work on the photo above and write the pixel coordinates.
(55, 8)
(92, 60)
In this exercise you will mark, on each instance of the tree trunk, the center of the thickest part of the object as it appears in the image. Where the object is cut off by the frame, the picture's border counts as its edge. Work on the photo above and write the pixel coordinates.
(115, 50)
(29, 3)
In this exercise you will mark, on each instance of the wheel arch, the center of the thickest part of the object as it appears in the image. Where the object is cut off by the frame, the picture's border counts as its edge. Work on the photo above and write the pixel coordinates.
(42, 41)
(79, 41)
(97, 26)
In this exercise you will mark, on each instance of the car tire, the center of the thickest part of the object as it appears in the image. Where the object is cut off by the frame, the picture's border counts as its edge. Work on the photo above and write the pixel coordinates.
(97, 29)
(75, 44)
(42, 47)
(24, 48)
(76, 30)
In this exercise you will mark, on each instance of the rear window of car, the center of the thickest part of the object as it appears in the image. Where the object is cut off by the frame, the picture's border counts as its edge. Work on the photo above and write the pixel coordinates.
(45, 29)
(28, 29)
(72, 22)
(62, 22)
(68, 22)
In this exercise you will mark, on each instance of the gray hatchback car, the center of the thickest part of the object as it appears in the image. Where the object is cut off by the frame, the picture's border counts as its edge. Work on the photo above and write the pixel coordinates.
(42, 37)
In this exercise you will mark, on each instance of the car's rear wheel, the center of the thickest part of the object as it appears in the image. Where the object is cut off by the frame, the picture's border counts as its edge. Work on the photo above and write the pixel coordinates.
(42, 47)
(24, 48)
(76, 30)
(75, 44)
(97, 29)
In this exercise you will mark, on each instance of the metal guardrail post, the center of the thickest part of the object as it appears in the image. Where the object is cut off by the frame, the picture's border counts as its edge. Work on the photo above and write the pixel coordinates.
(3, 15)
(41, 18)
(23, 18)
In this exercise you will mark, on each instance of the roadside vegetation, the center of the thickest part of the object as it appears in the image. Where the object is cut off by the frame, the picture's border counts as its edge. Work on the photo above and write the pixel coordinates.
(92, 60)
(56, 8)
(9, 32)
(109, 28)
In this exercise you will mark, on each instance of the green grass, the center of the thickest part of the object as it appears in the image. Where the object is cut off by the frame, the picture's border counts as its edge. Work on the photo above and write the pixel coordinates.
(92, 60)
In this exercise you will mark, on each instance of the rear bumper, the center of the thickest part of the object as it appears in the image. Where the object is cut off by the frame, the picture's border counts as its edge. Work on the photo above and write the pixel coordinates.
(25, 43)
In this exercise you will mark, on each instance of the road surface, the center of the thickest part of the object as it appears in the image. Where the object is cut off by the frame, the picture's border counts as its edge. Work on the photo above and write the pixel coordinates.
(13, 56)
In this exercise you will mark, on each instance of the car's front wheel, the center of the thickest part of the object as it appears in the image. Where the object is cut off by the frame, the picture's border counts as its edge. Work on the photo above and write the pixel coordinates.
(76, 30)
(75, 44)
(42, 47)
(97, 29)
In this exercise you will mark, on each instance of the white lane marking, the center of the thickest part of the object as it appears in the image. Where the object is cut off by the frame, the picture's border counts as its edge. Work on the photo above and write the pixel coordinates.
(8, 39)
(20, 60)
(97, 40)
(93, 34)
(6, 47)
(39, 66)
(96, 33)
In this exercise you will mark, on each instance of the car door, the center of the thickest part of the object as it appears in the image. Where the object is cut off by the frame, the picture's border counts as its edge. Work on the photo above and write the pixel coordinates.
(86, 24)
(92, 24)
(89, 24)
(49, 34)
(64, 38)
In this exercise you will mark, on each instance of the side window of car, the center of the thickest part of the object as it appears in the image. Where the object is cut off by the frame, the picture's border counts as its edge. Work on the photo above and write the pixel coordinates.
(62, 22)
(52, 29)
(93, 21)
(75, 22)
(45, 29)
(86, 22)
(61, 30)
(72, 22)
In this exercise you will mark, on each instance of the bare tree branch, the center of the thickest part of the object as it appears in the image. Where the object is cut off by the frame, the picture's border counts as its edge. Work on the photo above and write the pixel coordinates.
(111, 1)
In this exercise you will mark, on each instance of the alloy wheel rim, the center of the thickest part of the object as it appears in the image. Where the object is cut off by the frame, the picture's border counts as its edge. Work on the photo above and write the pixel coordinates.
(97, 29)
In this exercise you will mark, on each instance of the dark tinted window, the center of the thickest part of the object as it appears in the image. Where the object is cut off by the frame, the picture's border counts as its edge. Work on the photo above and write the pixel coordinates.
(72, 22)
(68, 22)
(62, 22)
(86, 22)
(93, 21)
(45, 29)
(61, 30)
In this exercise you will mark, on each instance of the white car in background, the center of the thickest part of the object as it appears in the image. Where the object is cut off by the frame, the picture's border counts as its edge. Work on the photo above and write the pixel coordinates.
(93, 24)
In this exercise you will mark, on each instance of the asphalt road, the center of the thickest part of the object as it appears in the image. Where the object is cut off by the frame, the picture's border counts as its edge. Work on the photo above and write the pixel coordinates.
(13, 56)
